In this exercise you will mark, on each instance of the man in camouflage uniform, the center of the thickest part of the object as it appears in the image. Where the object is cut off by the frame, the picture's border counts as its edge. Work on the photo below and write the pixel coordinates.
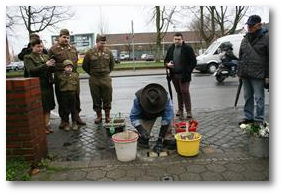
(61, 51)
(98, 63)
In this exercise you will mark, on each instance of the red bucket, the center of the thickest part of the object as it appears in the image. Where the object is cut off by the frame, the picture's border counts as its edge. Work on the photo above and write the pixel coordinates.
(181, 126)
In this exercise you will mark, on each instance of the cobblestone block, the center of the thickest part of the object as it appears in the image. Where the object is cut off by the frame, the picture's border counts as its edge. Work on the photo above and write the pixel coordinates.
(195, 168)
(116, 174)
(211, 176)
(95, 175)
(190, 177)
(233, 176)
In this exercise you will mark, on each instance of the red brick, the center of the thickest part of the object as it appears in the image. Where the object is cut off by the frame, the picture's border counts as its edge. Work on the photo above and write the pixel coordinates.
(17, 95)
(20, 83)
(34, 81)
(13, 145)
(19, 138)
(35, 91)
(9, 85)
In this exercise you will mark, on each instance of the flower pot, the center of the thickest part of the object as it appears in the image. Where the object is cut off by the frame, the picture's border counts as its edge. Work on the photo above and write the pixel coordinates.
(259, 146)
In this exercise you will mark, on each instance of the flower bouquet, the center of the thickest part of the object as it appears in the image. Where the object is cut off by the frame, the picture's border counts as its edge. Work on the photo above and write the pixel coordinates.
(257, 130)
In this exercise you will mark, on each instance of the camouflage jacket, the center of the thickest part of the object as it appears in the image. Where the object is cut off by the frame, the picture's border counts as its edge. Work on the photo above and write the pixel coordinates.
(68, 82)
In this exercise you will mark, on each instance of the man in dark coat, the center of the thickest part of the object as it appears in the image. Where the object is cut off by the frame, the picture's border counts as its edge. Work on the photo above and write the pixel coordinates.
(181, 60)
(254, 69)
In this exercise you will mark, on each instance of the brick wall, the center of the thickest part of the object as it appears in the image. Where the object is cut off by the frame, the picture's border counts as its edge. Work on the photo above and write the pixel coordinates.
(25, 133)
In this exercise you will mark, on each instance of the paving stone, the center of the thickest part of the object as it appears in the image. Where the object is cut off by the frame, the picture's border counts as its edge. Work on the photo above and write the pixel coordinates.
(76, 175)
(126, 178)
(117, 173)
(211, 176)
(95, 174)
(147, 178)
(195, 168)
(233, 176)
(176, 169)
(235, 167)
(134, 172)
(251, 175)
(190, 177)
(216, 167)
(59, 176)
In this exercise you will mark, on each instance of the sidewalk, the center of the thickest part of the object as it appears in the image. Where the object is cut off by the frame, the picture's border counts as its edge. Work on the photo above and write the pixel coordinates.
(223, 155)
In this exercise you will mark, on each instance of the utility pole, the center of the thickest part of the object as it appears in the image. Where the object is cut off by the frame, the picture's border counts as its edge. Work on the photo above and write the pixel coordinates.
(133, 44)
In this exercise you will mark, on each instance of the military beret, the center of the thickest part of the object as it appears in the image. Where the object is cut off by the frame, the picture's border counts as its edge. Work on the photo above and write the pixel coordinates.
(67, 62)
(64, 32)
(100, 37)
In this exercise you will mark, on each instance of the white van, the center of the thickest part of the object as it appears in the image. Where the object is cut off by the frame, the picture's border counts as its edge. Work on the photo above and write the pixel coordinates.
(210, 59)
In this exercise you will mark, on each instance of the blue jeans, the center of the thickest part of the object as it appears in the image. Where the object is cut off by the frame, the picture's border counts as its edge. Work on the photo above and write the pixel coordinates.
(254, 93)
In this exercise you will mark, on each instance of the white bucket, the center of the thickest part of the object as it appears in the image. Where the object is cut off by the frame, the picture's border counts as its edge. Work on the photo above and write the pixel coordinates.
(125, 145)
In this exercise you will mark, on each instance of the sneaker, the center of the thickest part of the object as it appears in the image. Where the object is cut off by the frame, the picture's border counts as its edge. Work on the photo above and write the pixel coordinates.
(67, 126)
(75, 126)
(246, 121)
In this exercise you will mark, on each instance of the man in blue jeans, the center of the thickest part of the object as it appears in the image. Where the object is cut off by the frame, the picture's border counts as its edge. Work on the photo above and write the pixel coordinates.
(152, 102)
(254, 69)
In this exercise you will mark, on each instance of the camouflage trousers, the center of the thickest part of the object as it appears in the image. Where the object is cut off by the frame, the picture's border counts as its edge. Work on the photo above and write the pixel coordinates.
(101, 92)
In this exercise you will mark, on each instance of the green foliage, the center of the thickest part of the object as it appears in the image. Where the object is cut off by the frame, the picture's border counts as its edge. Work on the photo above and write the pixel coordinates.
(17, 170)
(44, 162)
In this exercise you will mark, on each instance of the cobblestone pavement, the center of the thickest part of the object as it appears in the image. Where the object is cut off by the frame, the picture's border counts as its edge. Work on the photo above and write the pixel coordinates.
(85, 156)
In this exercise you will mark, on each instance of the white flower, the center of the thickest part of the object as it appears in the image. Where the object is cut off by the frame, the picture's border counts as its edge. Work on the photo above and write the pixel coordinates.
(243, 126)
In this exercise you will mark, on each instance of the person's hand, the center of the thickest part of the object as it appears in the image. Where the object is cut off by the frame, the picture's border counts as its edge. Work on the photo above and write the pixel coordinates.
(142, 132)
(50, 62)
(158, 146)
(170, 64)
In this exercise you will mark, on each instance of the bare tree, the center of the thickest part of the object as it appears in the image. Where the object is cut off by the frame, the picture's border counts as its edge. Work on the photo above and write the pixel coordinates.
(217, 21)
(163, 18)
(103, 23)
(38, 18)
(228, 20)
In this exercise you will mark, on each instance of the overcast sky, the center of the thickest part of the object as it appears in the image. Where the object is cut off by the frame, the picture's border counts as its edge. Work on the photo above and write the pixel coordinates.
(116, 19)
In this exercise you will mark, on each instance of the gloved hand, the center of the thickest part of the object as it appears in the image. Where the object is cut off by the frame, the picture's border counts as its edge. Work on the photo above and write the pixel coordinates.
(143, 137)
(143, 133)
(163, 131)
(266, 83)
(158, 146)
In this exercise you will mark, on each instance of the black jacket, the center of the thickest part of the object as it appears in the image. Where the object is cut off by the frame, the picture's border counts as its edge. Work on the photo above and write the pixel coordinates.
(254, 55)
(188, 60)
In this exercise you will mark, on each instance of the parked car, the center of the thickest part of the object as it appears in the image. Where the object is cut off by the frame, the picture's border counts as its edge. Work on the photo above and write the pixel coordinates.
(149, 58)
(210, 59)
(143, 56)
(15, 66)
(124, 57)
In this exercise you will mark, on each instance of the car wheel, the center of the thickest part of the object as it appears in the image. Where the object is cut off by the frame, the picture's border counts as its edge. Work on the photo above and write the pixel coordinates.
(220, 78)
(211, 68)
